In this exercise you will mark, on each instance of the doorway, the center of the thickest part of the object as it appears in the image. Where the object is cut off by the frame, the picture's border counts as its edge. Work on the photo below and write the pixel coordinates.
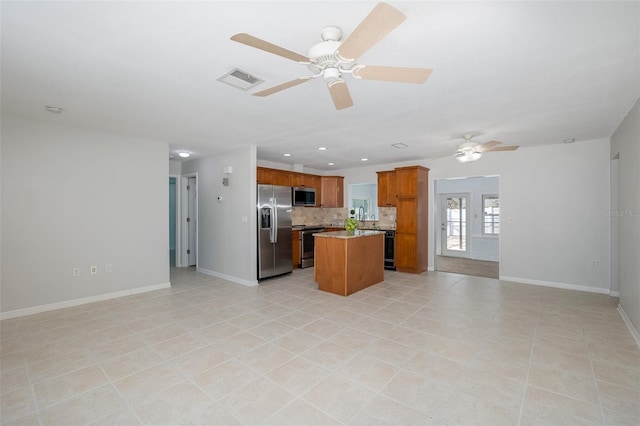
(467, 220)
(614, 290)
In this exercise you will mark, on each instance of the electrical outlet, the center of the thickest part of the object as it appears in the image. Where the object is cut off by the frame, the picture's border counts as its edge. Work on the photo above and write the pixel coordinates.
(93, 270)
(76, 272)
(108, 268)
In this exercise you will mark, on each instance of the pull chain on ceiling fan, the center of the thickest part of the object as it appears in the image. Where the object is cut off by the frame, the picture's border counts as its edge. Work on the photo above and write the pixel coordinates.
(332, 59)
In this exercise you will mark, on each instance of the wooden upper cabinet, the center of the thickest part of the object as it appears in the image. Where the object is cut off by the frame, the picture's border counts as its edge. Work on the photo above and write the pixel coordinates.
(297, 179)
(265, 175)
(387, 188)
(332, 191)
(281, 177)
(329, 189)
(312, 181)
(411, 181)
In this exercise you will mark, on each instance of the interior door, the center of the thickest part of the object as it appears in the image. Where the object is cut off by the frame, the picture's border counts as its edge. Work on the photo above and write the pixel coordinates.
(454, 224)
(192, 218)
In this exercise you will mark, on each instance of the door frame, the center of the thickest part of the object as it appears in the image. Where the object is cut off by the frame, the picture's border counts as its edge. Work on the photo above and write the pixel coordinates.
(178, 217)
(182, 259)
(443, 218)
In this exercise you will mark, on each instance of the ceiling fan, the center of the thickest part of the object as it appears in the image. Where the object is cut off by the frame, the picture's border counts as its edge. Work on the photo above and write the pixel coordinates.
(472, 151)
(331, 59)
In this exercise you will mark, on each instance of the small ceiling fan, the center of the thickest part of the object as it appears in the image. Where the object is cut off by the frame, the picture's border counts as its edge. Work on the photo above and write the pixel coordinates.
(472, 151)
(332, 59)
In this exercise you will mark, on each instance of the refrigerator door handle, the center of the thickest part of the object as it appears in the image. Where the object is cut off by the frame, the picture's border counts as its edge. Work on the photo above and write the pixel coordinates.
(274, 223)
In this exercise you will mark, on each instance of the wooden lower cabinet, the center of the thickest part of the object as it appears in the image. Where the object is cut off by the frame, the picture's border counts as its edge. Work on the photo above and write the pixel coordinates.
(406, 253)
(295, 248)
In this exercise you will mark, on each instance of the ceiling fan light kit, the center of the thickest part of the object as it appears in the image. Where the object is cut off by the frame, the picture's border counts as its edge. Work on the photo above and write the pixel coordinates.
(472, 151)
(332, 58)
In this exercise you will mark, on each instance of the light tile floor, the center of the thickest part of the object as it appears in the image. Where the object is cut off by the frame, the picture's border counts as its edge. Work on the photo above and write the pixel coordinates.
(431, 349)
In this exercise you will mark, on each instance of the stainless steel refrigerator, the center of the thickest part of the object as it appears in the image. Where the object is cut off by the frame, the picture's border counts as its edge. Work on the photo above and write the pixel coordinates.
(274, 230)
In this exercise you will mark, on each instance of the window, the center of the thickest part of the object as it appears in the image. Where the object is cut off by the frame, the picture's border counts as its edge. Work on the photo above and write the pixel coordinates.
(490, 215)
(365, 204)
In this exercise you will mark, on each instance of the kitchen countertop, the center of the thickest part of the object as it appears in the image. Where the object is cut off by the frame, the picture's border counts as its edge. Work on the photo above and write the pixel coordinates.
(363, 228)
(344, 234)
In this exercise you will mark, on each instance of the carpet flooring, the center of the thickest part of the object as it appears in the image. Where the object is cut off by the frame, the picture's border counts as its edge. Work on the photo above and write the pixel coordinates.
(460, 265)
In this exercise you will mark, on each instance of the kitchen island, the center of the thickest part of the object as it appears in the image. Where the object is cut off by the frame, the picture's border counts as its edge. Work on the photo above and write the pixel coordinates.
(348, 262)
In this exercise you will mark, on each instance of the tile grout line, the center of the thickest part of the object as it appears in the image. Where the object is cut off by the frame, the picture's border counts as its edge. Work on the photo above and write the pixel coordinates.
(526, 382)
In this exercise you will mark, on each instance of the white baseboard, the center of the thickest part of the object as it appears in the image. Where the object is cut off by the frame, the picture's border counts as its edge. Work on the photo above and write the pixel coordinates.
(554, 284)
(228, 277)
(630, 326)
(614, 293)
(430, 269)
(84, 300)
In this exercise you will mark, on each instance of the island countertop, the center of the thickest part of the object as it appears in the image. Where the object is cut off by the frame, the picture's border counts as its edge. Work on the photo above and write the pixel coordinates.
(344, 234)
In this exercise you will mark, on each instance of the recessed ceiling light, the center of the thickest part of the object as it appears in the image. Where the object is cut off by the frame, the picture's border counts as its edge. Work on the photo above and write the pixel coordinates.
(286, 155)
(364, 159)
(322, 148)
(184, 154)
(332, 164)
(400, 145)
(571, 140)
(53, 109)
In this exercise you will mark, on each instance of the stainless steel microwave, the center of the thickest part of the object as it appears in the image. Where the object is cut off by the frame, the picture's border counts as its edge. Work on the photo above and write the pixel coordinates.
(302, 196)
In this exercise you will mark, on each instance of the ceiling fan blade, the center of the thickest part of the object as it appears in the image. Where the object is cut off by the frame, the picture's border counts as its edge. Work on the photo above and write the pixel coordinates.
(502, 148)
(340, 94)
(281, 87)
(489, 144)
(373, 28)
(396, 74)
(252, 41)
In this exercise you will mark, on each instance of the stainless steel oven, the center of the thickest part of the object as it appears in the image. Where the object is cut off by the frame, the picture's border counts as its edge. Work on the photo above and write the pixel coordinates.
(307, 246)
(390, 250)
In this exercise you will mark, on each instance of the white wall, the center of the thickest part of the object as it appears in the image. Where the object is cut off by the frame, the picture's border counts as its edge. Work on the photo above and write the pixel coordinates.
(227, 229)
(553, 203)
(481, 247)
(175, 167)
(76, 198)
(625, 142)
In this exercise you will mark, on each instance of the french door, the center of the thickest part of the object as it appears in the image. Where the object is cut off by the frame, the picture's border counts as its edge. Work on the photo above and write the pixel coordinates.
(454, 224)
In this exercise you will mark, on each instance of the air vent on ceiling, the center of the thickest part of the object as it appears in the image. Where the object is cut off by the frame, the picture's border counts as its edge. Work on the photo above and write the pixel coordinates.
(240, 79)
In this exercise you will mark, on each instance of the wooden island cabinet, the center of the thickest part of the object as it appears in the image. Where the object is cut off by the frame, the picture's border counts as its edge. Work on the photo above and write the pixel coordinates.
(345, 263)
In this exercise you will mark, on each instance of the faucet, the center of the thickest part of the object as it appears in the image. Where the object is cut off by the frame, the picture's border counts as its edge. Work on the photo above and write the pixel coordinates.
(361, 213)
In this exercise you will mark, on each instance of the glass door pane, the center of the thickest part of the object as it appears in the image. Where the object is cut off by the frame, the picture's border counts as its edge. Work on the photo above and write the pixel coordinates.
(454, 227)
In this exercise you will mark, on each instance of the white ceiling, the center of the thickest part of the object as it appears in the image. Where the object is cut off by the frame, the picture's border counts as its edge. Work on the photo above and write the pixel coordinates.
(525, 73)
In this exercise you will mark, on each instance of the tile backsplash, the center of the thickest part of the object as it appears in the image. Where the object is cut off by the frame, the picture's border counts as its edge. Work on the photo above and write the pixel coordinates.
(311, 216)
